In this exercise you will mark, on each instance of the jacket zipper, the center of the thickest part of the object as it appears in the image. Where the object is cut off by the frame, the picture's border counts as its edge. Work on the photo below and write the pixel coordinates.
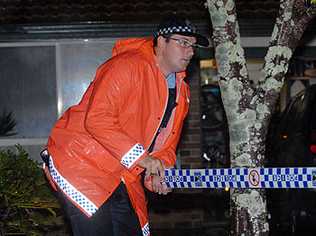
(157, 129)
(177, 99)
(178, 90)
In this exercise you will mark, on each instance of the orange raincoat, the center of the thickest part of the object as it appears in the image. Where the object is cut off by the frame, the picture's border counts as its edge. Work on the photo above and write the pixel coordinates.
(96, 144)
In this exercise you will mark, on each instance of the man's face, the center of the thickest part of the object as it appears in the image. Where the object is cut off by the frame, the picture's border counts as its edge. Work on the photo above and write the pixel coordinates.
(177, 52)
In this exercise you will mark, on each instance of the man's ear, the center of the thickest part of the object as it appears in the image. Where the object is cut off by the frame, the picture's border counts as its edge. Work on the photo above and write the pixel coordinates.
(161, 40)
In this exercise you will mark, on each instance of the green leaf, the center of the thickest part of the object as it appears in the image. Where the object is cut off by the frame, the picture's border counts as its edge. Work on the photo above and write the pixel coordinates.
(27, 203)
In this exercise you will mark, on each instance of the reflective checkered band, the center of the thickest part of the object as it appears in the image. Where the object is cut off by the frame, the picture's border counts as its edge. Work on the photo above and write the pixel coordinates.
(145, 230)
(173, 30)
(71, 191)
(294, 177)
(132, 155)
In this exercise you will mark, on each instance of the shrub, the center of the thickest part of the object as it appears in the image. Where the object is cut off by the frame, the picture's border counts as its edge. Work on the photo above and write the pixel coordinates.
(27, 204)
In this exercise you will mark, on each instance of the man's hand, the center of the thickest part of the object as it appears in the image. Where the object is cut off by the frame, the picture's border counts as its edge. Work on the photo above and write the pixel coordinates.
(153, 166)
(159, 186)
(156, 184)
(154, 175)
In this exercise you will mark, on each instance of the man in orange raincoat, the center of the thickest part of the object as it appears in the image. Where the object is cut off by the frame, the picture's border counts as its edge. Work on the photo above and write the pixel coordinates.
(128, 122)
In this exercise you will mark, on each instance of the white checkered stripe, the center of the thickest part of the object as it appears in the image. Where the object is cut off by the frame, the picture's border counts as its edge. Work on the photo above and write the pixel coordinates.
(172, 30)
(71, 191)
(288, 177)
(145, 230)
(295, 177)
(132, 155)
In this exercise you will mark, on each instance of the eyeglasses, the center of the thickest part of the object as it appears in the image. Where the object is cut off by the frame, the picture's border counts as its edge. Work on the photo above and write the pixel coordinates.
(185, 43)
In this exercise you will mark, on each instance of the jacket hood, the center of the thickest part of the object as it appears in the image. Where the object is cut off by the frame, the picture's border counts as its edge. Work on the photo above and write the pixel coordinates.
(145, 45)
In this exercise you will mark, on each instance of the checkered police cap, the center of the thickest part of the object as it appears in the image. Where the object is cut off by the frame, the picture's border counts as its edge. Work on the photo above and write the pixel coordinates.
(174, 24)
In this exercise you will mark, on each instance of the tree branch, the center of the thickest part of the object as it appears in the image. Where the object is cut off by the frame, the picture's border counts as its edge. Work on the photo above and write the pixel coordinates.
(294, 17)
(230, 55)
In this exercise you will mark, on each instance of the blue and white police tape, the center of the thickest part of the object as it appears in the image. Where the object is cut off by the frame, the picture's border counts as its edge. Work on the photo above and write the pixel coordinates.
(285, 177)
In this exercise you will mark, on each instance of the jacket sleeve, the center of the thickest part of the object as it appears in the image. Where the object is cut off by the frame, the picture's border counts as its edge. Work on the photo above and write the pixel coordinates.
(113, 85)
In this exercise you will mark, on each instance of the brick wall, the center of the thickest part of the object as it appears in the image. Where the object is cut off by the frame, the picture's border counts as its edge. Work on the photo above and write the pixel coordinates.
(190, 213)
(189, 150)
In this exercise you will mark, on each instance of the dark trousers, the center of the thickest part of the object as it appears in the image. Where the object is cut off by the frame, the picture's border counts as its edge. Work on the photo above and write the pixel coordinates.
(116, 217)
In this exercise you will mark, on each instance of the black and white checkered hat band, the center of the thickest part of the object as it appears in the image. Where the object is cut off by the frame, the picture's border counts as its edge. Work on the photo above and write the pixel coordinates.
(178, 29)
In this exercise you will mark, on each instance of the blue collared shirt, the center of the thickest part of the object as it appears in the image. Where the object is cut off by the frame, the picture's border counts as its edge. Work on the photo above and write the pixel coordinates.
(171, 80)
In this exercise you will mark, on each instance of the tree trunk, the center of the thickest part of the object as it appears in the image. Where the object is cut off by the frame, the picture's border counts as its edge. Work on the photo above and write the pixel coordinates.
(248, 108)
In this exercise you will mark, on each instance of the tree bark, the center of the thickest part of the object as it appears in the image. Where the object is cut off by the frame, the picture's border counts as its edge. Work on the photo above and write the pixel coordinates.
(248, 108)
